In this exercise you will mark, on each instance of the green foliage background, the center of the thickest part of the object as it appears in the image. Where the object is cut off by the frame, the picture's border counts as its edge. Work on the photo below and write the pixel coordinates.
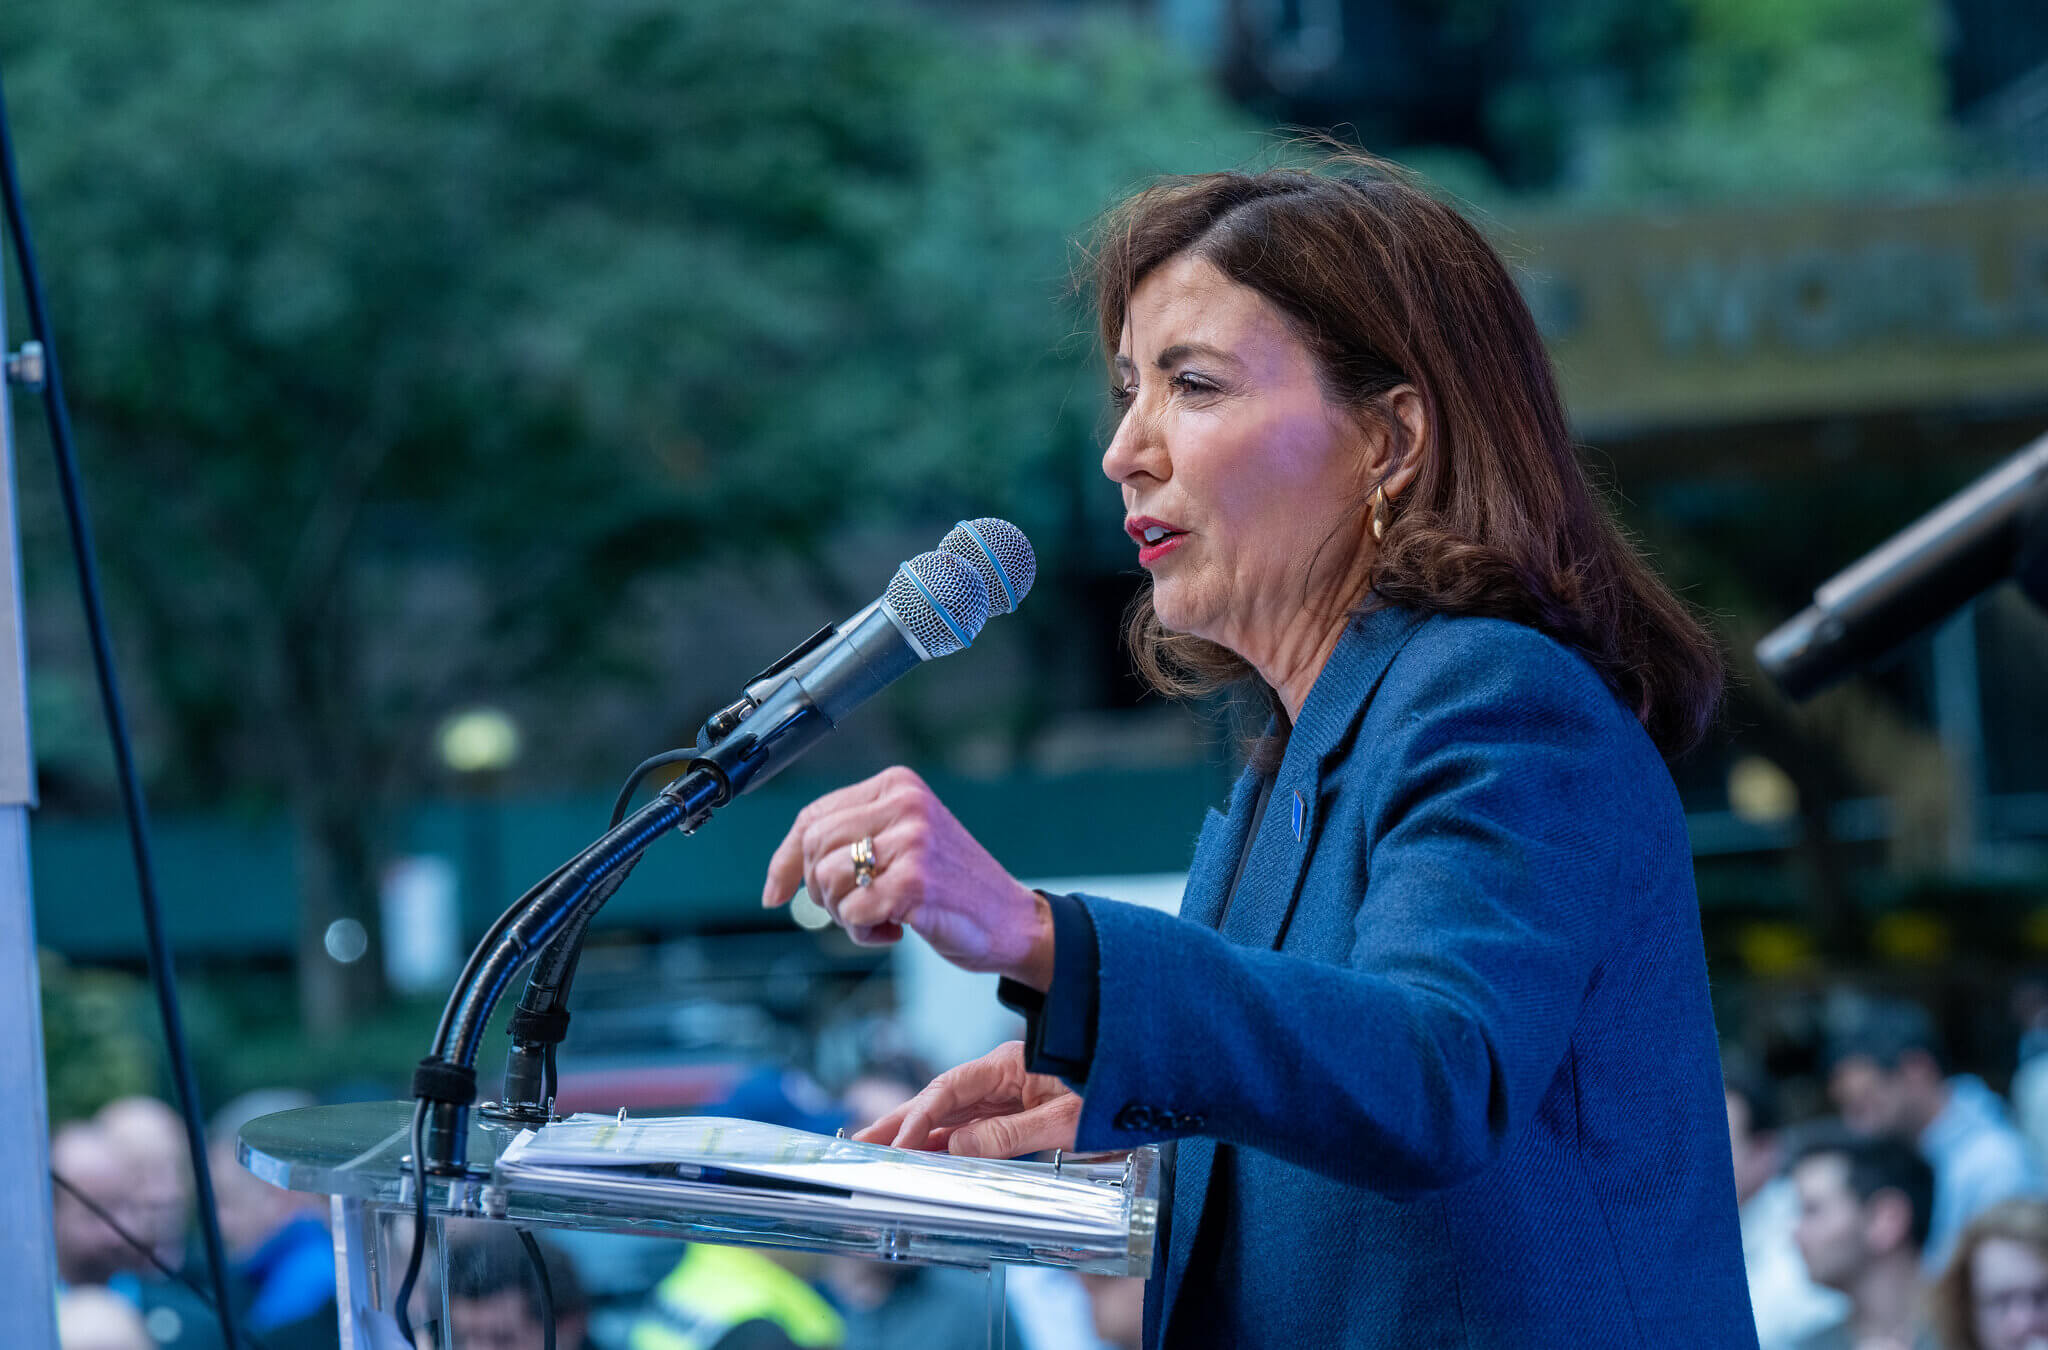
(405, 339)
(94, 1047)
(550, 296)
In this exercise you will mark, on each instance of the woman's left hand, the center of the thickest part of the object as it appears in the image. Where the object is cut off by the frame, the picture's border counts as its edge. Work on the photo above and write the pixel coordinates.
(929, 875)
(992, 1107)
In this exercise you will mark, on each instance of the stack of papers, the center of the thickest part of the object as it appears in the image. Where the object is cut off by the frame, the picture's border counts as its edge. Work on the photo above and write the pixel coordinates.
(710, 1165)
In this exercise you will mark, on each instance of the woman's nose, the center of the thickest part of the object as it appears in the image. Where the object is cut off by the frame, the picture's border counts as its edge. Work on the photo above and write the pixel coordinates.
(1136, 450)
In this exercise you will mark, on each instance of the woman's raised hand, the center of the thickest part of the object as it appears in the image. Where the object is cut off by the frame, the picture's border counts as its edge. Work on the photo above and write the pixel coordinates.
(987, 1108)
(928, 874)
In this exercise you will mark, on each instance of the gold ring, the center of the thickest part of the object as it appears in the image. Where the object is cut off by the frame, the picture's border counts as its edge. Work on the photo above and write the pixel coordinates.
(864, 860)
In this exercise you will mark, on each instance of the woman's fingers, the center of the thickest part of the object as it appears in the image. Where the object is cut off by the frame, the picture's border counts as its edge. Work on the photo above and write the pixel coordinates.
(877, 906)
(875, 935)
(786, 865)
(990, 1085)
(882, 1131)
(1047, 1125)
(828, 853)
(986, 1108)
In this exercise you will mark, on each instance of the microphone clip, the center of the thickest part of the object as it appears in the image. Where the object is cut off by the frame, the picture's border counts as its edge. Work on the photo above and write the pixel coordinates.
(721, 723)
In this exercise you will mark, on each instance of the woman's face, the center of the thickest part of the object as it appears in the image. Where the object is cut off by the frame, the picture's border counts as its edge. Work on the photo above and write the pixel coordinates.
(2009, 1284)
(1246, 478)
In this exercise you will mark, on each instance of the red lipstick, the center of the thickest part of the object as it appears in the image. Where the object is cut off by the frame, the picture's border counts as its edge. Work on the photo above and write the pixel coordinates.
(1137, 526)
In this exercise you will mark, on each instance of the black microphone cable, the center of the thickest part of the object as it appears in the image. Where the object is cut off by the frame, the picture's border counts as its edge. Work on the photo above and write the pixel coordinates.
(547, 1287)
(162, 975)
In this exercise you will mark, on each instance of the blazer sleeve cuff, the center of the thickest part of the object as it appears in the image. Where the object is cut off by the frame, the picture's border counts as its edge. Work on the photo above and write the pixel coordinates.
(1059, 1025)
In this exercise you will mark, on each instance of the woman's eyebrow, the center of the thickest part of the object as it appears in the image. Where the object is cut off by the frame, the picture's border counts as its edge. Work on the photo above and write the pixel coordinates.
(1181, 351)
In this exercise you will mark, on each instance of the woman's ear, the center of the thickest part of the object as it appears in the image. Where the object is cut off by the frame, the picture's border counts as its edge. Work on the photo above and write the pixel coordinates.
(1396, 458)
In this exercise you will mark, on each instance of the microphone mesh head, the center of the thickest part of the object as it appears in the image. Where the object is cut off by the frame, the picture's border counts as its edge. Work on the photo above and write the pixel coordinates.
(939, 600)
(1000, 552)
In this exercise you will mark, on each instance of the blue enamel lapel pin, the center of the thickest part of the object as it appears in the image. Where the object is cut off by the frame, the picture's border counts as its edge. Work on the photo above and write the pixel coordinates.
(1300, 815)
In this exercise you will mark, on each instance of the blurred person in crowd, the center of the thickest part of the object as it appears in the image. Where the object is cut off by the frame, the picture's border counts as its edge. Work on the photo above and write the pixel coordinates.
(494, 1296)
(2030, 1080)
(92, 1318)
(1433, 1016)
(1863, 1211)
(885, 1304)
(1888, 1076)
(91, 1159)
(746, 1298)
(1787, 1303)
(1118, 1304)
(278, 1243)
(153, 1136)
(736, 1298)
(1994, 1294)
(1050, 1309)
(89, 1164)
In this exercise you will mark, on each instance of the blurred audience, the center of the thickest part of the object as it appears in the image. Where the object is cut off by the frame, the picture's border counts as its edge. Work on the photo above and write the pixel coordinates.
(735, 1298)
(152, 1134)
(277, 1241)
(92, 1318)
(887, 1305)
(1994, 1294)
(2029, 1093)
(494, 1296)
(1119, 1305)
(1888, 1078)
(1050, 1309)
(1863, 1213)
(88, 1164)
(748, 1298)
(89, 1158)
(1787, 1303)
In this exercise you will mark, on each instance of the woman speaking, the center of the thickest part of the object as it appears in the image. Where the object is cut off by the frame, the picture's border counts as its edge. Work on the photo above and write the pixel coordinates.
(1432, 1024)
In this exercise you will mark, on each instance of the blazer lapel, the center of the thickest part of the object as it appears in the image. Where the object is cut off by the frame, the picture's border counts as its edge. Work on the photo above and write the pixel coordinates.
(1216, 851)
(1271, 884)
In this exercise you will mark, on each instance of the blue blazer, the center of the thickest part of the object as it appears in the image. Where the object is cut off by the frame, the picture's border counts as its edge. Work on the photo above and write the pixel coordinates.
(1447, 1075)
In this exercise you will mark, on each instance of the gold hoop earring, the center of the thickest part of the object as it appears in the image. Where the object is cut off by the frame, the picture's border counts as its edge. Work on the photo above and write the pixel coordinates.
(1379, 508)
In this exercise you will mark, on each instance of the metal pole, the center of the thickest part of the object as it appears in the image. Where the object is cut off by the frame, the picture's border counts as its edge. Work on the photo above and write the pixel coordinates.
(28, 1265)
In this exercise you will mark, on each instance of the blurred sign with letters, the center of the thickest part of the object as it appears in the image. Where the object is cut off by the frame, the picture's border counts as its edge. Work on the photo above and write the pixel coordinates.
(1660, 319)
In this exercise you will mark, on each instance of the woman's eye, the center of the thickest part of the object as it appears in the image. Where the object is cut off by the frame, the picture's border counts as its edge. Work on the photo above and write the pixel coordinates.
(1190, 383)
(1122, 396)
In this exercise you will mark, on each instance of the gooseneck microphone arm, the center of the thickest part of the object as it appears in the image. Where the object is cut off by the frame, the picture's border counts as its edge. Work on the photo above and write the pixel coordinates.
(446, 1078)
(934, 605)
(996, 551)
(784, 727)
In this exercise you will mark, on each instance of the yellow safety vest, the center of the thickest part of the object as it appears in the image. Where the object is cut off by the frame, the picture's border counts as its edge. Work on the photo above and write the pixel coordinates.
(714, 1289)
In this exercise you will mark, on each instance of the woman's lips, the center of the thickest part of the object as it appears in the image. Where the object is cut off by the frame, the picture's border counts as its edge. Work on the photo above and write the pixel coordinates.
(1151, 553)
(1137, 527)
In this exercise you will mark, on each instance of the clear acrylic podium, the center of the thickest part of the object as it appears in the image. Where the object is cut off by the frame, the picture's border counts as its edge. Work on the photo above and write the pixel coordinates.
(1095, 1215)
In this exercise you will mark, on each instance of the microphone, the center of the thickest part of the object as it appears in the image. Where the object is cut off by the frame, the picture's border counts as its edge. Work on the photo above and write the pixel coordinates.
(1969, 543)
(997, 551)
(934, 606)
(1002, 555)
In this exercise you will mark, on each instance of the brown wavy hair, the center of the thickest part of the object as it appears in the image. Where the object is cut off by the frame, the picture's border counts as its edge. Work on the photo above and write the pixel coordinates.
(1953, 1298)
(1387, 286)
